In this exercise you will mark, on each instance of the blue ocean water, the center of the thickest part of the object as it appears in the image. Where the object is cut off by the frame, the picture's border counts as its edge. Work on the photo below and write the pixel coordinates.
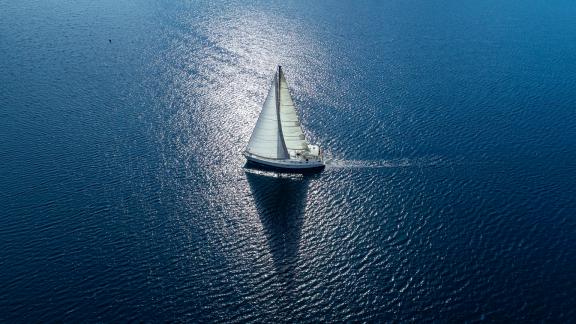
(449, 194)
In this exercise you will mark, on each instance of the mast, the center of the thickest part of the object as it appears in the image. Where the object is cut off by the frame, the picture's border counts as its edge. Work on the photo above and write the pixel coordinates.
(278, 82)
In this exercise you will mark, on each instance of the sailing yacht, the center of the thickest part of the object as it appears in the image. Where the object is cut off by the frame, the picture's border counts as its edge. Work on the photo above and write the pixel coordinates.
(278, 141)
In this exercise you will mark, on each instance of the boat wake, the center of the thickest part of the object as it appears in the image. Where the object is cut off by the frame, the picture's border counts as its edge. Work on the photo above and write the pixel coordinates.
(394, 163)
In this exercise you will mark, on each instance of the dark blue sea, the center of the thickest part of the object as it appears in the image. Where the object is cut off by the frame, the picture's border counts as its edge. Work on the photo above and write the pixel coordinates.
(449, 194)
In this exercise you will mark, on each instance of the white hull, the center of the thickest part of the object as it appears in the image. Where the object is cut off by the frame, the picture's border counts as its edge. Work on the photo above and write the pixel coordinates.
(286, 164)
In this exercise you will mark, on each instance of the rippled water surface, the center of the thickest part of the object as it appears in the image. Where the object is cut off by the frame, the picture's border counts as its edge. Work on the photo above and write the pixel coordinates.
(449, 194)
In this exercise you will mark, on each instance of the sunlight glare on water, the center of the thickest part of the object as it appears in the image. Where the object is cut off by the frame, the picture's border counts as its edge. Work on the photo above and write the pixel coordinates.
(217, 83)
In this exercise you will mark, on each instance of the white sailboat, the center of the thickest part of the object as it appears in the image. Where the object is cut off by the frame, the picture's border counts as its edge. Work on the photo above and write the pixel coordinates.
(278, 140)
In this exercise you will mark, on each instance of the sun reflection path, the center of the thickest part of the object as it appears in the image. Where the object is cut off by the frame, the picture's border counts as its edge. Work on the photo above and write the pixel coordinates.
(219, 70)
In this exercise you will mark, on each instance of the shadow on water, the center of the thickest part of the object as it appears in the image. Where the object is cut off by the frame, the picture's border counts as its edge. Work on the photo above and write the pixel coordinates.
(281, 203)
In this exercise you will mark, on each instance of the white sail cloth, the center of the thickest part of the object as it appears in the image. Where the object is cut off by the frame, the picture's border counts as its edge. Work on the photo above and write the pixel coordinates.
(278, 127)
(291, 129)
(266, 140)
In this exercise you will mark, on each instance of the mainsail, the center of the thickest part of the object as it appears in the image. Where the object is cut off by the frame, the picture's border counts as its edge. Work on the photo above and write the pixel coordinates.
(278, 127)
(293, 134)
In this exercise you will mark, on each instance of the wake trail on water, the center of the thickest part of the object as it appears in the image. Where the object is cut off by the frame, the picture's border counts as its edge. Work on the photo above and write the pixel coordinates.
(393, 163)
